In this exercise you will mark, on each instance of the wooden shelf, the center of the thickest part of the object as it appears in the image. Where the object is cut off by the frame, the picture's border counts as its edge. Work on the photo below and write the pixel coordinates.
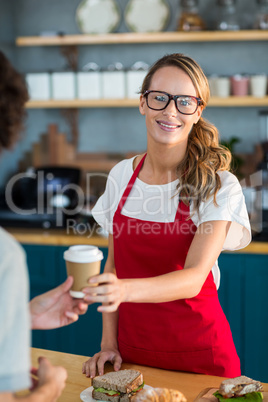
(154, 37)
(232, 101)
(79, 103)
(237, 101)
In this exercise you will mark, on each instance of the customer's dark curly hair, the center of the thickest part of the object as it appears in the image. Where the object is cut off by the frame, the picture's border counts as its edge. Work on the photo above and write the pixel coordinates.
(13, 95)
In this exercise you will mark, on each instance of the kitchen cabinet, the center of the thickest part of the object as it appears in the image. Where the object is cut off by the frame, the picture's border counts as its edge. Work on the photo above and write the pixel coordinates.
(242, 293)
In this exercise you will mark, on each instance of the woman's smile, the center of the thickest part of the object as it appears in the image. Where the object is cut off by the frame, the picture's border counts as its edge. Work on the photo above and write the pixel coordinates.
(167, 126)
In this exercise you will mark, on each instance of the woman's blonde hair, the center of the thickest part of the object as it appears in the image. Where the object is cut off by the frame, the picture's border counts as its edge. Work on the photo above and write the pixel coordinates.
(204, 157)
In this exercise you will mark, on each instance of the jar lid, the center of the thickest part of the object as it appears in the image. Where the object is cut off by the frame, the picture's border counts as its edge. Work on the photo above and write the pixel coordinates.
(226, 2)
(189, 3)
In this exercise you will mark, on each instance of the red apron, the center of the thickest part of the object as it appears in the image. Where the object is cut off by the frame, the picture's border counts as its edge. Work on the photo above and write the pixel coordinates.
(187, 335)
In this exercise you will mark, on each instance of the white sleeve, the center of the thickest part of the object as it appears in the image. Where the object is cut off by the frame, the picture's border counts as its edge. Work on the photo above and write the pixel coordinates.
(14, 317)
(231, 207)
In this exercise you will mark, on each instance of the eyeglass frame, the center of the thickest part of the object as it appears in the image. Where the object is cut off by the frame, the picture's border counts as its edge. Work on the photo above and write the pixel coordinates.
(173, 97)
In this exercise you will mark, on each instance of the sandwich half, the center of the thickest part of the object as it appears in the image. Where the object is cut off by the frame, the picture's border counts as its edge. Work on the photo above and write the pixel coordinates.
(240, 389)
(117, 386)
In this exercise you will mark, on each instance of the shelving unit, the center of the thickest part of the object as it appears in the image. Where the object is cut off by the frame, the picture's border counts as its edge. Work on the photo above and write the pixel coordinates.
(154, 37)
(69, 48)
(232, 101)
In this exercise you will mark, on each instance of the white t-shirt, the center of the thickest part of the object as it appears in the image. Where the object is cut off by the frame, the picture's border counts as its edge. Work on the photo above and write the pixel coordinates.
(14, 316)
(158, 203)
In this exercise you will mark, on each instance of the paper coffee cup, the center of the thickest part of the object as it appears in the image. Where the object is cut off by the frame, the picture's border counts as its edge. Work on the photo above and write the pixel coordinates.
(82, 262)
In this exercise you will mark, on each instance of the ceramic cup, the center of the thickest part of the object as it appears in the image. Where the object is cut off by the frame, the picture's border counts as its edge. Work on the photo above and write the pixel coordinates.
(82, 262)
(239, 85)
(258, 85)
(222, 87)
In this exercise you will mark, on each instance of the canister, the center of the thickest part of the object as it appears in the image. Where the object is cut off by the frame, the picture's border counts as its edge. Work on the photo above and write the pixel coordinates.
(134, 79)
(89, 82)
(63, 85)
(113, 82)
(38, 86)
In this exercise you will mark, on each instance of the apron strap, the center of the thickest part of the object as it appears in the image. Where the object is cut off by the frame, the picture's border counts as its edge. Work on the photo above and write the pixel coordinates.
(130, 185)
(183, 211)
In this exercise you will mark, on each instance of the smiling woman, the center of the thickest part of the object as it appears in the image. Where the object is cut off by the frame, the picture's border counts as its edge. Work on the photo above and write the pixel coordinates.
(169, 213)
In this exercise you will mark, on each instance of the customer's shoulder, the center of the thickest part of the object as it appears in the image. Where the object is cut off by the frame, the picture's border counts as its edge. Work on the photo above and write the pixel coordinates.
(9, 247)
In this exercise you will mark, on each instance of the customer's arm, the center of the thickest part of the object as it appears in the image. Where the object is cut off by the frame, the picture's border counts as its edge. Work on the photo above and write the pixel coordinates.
(50, 384)
(56, 308)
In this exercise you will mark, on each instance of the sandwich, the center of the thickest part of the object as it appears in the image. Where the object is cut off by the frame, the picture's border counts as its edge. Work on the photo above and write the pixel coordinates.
(117, 386)
(239, 389)
(159, 395)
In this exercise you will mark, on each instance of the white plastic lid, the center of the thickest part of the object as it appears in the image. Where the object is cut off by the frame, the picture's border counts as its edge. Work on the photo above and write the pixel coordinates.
(83, 253)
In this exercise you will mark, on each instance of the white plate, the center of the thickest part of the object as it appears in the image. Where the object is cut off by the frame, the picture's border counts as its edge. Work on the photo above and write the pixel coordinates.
(147, 15)
(86, 395)
(98, 16)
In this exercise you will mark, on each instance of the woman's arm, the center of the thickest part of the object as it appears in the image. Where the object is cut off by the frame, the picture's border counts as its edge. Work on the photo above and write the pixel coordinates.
(109, 347)
(204, 251)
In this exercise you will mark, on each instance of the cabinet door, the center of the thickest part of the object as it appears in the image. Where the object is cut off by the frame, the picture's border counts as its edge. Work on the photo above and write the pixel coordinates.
(47, 270)
(231, 292)
(256, 317)
(243, 296)
(84, 336)
(42, 267)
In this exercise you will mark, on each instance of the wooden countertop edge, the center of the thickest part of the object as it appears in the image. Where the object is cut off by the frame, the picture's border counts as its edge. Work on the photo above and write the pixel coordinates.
(61, 238)
(56, 238)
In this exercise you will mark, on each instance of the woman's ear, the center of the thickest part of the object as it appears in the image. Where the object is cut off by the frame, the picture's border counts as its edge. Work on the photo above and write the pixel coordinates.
(142, 105)
(198, 113)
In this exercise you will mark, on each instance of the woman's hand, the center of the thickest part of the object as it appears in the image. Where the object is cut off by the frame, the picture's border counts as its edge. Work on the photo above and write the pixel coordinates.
(56, 308)
(110, 291)
(98, 361)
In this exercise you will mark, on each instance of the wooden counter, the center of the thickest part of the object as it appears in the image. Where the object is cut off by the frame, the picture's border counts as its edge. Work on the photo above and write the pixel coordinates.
(189, 384)
(58, 237)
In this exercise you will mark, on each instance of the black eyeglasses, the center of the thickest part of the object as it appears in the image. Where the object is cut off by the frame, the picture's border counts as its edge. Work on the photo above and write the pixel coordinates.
(159, 100)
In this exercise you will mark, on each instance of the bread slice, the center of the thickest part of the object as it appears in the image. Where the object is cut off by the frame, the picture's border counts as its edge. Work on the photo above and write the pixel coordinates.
(158, 395)
(239, 386)
(100, 396)
(124, 382)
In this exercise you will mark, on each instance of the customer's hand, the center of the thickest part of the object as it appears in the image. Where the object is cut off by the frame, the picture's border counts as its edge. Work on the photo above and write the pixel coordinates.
(96, 363)
(49, 380)
(56, 308)
(110, 291)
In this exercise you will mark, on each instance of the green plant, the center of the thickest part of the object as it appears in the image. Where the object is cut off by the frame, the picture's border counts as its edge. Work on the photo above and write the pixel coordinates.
(237, 161)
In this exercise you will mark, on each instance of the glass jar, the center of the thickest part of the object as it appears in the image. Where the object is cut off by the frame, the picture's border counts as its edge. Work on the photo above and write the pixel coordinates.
(227, 16)
(189, 19)
(261, 21)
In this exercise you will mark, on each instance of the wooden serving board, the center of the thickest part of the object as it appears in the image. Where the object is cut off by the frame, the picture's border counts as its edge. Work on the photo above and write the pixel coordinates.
(207, 396)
